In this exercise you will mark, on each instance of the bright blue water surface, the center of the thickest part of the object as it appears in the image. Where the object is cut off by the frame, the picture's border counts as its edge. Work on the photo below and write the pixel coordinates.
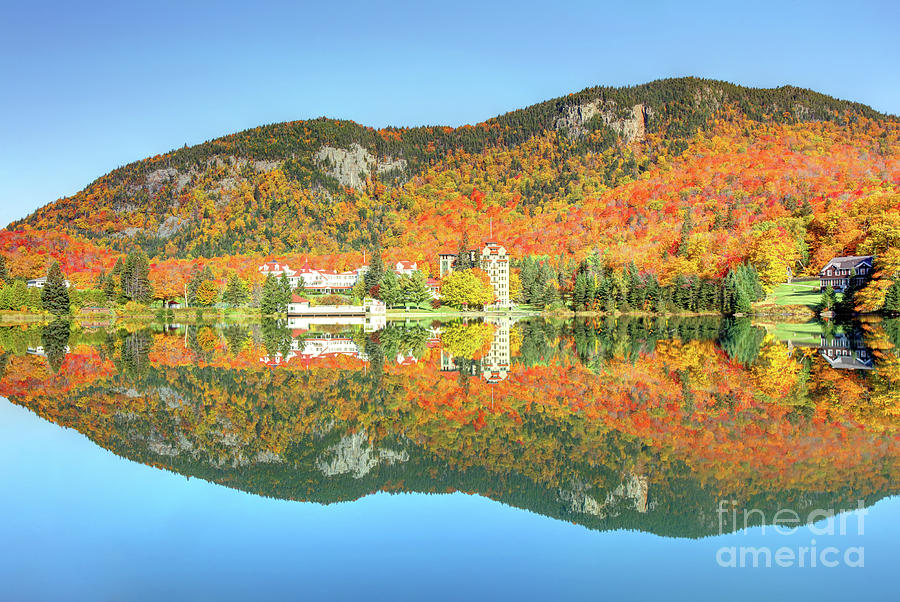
(80, 523)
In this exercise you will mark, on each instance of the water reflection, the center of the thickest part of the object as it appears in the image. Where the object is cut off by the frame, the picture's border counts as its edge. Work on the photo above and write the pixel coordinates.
(643, 424)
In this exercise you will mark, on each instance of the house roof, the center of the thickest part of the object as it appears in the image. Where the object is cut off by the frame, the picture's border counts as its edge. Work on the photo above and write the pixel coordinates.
(274, 266)
(849, 362)
(432, 282)
(406, 265)
(298, 299)
(847, 262)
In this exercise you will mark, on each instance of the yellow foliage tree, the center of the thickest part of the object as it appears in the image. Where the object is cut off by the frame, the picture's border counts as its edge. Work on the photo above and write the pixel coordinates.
(207, 293)
(467, 287)
(773, 253)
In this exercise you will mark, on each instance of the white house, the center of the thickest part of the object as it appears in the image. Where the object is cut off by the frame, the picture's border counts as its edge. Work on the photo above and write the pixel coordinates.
(298, 305)
(41, 282)
(405, 268)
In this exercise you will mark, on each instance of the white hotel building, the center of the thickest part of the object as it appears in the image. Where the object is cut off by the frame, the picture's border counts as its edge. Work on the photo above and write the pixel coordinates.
(322, 281)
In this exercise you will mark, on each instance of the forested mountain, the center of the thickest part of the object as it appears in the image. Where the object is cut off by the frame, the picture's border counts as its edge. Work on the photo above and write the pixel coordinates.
(682, 176)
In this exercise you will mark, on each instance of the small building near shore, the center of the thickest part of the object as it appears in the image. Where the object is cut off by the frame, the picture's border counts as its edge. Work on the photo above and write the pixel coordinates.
(42, 282)
(298, 305)
(842, 272)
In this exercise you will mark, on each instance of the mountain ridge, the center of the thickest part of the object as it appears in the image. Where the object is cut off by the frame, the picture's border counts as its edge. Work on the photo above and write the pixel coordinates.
(332, 187)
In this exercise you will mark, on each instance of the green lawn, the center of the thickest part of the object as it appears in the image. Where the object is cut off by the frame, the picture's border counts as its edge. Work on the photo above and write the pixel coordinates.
(801, 293)
(807, 332)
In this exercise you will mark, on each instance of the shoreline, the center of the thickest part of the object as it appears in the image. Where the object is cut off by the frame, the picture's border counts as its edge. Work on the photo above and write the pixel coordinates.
(195, 315)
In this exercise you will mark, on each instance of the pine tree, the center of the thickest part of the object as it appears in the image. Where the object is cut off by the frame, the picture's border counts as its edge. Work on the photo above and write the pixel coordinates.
(19, 296)
(269, 304)
(300, 289)
(892, 298)
(389, 291)
(829, 299)
(136, 277)
(527, 277)
(55, 341)
(413, 290)
(112, 282)
(375, 273)
(590, 291)
(55, 295)
(463, 254)
(236, 291)
(4, 271)
(286, 292)
(579, 291)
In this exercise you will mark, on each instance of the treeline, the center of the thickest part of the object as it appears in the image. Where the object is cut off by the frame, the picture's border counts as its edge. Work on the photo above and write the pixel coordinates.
(594, 287)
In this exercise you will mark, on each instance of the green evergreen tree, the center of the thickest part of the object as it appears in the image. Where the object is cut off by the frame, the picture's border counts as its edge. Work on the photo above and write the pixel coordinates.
(55, 294)
(112, 282)
(55, 341)
(389, 291)
(4, 271)
(284, 287)
(6, 301)
(375, 273)
(19, 295)
(892, 298)
(136, 277)
(579, 291)
(236, 291)
(413, 290)
(829, 299)
(270, 303)
(463, 254)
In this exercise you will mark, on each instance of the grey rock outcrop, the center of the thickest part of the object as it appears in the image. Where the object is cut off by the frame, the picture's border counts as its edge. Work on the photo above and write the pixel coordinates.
(633, 127)
(169, 226)
(354, 456)
(631, 494)
(351, 166)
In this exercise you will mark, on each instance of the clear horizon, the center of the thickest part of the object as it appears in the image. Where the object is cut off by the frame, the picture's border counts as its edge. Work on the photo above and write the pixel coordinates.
(94, 88)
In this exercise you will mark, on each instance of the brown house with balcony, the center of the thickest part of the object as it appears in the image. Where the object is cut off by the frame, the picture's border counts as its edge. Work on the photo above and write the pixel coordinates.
(842, 272)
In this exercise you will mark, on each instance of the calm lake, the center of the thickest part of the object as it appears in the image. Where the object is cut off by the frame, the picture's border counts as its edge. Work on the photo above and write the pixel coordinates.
(684, 459)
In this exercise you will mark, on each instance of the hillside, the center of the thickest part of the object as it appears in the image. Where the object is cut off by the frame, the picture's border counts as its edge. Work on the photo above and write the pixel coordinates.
(682, 176)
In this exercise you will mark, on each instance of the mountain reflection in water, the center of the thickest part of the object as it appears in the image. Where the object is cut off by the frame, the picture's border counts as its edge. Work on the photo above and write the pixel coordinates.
(641, 424)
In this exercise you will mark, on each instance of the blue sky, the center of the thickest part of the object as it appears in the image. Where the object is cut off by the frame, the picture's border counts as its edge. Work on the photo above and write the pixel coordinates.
(84, 89)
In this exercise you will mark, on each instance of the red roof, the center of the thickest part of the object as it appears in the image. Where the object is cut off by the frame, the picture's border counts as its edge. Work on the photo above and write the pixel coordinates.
(406, 265)
(432, 282)
(298, 299)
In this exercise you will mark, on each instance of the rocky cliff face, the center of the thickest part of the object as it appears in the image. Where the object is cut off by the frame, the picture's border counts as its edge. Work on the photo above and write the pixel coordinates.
(351, 166)
(631, 493)
(354, 456)
(633, 127)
